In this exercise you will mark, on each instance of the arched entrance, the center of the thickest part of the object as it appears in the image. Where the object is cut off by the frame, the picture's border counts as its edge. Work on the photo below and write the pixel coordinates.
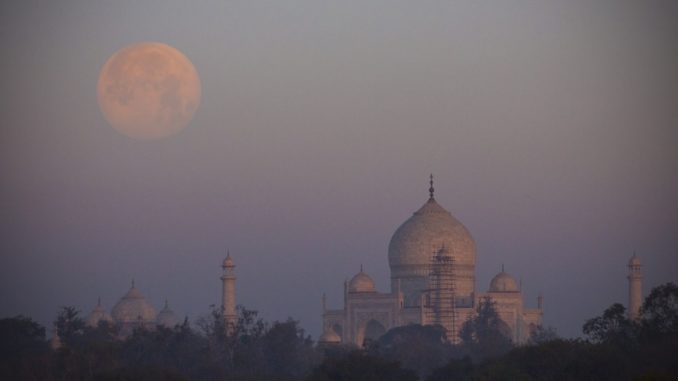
(373, 331)
(337, 328)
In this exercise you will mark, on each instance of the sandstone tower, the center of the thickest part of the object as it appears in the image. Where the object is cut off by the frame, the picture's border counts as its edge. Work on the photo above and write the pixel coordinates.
(228, 294)
(635, 288)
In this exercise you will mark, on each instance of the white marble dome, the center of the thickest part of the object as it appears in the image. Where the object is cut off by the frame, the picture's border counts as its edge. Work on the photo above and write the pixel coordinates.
(329, 337)
(97, 315)
(133, 308)
(167, 318)
(418, 238)
(361, 282)
(503, 282)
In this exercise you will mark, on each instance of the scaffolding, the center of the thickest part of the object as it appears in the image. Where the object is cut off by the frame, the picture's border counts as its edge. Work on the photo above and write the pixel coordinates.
(441, 293)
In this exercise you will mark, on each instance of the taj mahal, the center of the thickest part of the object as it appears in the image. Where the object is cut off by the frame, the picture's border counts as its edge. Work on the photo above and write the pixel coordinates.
(432, 258)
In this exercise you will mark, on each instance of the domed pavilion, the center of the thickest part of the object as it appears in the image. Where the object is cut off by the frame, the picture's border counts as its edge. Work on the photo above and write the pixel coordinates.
(130, 312)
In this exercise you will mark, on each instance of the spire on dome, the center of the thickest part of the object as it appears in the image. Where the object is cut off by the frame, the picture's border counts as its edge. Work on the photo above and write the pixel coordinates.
(431, 190)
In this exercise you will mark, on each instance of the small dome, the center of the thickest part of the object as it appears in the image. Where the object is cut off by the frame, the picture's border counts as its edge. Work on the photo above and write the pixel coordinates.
(361, 282)
(167, 318)
(133, 308)
(329, 337)
(98, 314)
(503, 282)
(228, 262)
(634, 261)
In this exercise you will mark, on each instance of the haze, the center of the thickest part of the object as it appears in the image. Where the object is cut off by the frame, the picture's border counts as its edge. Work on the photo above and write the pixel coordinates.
(551, 128)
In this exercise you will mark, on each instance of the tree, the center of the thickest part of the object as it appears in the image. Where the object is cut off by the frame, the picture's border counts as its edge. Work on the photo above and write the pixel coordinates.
(95, 350)
(659, 313)
(141, 374)
(19, 336)
(612, 326)
(456, 369)
(288, 352)
(658, 337)
(360, 366)
(486, 335)
(416, 347)
(23, 349)
(241, 351)
(69, 324)
(543, 335)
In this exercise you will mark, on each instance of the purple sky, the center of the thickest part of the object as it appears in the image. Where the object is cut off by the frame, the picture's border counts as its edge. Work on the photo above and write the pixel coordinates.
(552, 130)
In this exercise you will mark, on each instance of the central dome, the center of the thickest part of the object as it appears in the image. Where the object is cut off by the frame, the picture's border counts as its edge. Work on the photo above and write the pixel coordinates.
(417, 239)
(133, 308)
(430, 228)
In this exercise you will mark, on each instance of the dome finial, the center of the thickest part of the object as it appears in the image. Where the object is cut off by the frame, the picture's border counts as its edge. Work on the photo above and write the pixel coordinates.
(361, 267)
(132, 282)
(431, 190)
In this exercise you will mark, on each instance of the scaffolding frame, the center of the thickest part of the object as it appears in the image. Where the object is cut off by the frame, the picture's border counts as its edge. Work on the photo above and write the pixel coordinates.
(441, 293)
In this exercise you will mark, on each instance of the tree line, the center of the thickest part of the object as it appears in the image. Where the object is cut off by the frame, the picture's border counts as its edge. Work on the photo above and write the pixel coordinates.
(613, 348)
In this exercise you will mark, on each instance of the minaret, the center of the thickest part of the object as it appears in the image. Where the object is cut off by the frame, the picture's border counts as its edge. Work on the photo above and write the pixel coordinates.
(55, 342)
(635, 288)
(228, 294)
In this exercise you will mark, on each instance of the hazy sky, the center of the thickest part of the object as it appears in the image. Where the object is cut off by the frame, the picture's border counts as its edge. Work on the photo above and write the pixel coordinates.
(551, 127)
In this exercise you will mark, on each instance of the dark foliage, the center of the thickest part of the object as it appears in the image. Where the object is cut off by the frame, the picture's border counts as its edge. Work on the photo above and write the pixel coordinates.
(660, 310)
(359, 366)
(24, 354)
(287, 352)
(141, 374)
(69, 324)
(543, 335)
(21, 336)
(485, 335)
(612, 327)
(615, 349)
(416, 347)
(456, 369)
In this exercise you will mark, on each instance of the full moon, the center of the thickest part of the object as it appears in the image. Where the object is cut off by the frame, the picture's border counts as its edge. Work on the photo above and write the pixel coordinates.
(148, 90)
